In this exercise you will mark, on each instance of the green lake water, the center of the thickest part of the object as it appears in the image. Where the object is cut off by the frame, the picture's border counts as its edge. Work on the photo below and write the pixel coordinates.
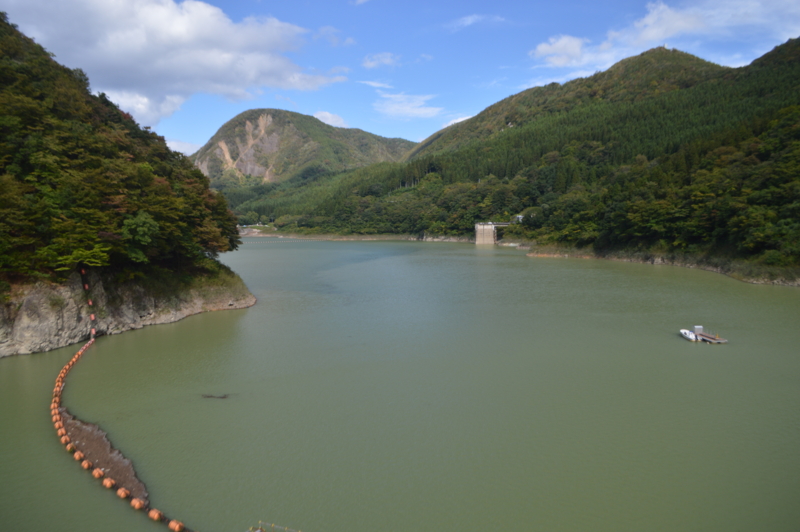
(404, 386)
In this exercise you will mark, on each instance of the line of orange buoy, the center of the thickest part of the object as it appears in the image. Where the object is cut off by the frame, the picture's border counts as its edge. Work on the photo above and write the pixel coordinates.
(61, 432)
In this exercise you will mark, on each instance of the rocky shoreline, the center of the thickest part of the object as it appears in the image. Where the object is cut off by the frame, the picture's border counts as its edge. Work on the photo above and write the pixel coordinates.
(44, 316)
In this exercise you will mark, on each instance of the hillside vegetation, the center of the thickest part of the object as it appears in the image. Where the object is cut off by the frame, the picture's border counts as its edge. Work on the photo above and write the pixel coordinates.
(662, 152)
(270, 145)
(82, 184)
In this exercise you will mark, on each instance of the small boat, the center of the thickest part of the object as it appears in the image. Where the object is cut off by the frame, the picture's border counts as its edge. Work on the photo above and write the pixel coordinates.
(689, 335)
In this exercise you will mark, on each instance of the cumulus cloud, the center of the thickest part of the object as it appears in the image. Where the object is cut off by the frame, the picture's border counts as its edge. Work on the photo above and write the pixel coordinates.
(457, 120)
(766, 20)
(377, 84)
(469, 20)
(331, 34)
(405, 105)
(381, 59)
(151, 55)
(187, 148)
(561, 50)
(330, 119)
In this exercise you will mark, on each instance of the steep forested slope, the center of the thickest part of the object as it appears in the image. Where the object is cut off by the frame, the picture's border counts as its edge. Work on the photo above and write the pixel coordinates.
(663, 151)
(82, 183)
(270, 145)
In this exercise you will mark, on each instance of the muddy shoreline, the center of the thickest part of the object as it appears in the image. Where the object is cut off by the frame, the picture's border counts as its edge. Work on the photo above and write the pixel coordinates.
(93, 442)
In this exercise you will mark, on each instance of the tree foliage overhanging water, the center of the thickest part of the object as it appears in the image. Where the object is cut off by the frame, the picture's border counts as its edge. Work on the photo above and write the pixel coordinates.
(82, 183)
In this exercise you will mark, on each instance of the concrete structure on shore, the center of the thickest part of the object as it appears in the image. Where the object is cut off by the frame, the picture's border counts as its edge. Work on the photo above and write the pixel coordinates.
(485, 233)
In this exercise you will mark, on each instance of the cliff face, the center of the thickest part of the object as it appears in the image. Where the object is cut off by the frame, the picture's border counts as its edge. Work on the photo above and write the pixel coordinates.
(270, 145)
(46, 316)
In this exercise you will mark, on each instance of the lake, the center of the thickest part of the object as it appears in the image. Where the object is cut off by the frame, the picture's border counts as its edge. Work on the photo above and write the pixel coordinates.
(398, 386)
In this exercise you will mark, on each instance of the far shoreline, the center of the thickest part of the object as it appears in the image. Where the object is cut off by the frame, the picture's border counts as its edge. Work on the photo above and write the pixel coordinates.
(736, 269)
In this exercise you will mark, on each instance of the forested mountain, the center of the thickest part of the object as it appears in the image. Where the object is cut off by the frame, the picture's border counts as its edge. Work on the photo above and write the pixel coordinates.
(662, 152)
(82, 183)
(270, 145)
(652, 73)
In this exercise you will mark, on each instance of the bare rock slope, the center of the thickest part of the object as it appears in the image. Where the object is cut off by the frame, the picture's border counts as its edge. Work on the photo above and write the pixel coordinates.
(270, 145)
(45, 316)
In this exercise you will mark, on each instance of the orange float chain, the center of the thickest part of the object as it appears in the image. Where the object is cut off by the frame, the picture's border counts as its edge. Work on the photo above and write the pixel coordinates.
(109, 482)
(175, 526)
(137, 504)
(122, 493)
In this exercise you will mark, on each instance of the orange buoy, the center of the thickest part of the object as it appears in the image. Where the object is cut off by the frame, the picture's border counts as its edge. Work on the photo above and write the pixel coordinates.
(98, 473)
(175, 526)
(109, 482)
(59, 425)
(90, 302)
(56, 418)
(61, 432)
(137, 504)
(71, 447)
(85, 286)
(91, 317)
(155, 515)
(65, 439)
(78, 456)
(122, 493)
(86, 464)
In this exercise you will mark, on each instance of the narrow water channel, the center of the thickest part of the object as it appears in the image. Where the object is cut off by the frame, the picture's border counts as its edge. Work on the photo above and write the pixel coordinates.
(405, 386)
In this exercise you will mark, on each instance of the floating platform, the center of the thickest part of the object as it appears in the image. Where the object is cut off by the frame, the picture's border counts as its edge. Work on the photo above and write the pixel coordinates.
(699, 335)
(711, 339)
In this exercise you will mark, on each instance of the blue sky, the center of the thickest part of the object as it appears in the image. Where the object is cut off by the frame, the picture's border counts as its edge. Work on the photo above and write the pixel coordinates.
(397, 69)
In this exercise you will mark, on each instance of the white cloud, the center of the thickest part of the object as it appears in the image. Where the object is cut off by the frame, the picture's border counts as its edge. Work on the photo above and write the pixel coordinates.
(663, 22)
(377, 84)
(469, 20)
(331, 34)
(709, 20)
(405, 105)
(152, 55)
(381, 59)
(457, 120)
(187, 148)
(330, 119)
(560, 51)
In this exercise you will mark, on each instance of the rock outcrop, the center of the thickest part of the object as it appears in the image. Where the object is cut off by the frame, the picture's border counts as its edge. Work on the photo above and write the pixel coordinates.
(44, 316)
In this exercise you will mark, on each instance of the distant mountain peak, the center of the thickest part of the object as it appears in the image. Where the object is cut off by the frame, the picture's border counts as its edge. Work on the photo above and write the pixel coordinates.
(269, 145)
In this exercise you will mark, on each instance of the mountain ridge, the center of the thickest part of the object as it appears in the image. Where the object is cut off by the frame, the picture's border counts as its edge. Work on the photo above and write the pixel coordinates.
(261, 146)
(660, 70)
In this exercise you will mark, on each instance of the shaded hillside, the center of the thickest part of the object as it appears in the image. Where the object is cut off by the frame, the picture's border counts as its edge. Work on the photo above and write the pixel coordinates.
(634, 79)
(270, 145)
(711, 167)
(82, 183)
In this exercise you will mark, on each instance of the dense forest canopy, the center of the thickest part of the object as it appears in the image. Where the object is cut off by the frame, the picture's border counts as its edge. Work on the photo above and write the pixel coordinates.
(82, 183)
(662, 152)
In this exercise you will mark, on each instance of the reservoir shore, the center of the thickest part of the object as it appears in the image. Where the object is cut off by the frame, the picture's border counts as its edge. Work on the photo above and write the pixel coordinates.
(43, 316)
(736, 269)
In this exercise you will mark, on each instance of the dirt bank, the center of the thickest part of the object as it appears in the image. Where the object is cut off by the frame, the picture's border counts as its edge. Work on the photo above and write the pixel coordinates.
(94, 444)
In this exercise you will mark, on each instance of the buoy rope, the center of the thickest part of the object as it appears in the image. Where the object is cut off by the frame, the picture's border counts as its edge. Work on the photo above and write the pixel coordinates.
(72, 448)
(109, 483)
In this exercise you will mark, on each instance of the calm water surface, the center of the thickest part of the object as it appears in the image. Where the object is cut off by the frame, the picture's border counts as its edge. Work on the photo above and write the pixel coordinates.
(402, 386)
